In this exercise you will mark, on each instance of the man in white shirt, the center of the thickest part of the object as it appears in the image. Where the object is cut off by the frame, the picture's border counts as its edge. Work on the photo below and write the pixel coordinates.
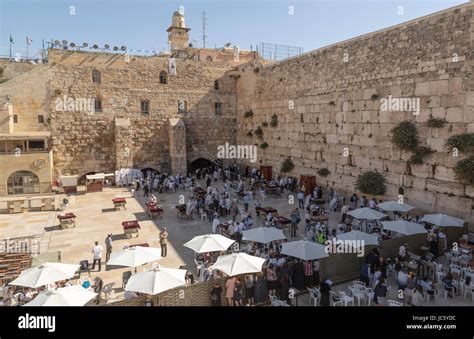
(97, 254)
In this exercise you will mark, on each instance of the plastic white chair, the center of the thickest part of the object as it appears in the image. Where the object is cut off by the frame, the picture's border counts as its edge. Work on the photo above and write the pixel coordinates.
(369, 292)
(345, 298)
(394, 303)
(469, 289)
(357, 294)
(312, 296)
(446, 290)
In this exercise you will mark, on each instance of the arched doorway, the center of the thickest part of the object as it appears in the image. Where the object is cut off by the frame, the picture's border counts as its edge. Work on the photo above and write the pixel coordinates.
(23, 182)
(149, 170)
(199, 163)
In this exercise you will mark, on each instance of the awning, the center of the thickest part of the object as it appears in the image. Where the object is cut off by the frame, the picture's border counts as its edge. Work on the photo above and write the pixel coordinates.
(68, 180)
(95, 176)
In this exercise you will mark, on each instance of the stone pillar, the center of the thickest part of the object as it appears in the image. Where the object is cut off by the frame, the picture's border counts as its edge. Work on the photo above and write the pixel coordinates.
(123, 144)
(177, 140)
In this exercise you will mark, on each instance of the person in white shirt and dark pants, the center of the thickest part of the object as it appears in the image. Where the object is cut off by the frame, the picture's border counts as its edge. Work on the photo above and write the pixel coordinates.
(97, 254)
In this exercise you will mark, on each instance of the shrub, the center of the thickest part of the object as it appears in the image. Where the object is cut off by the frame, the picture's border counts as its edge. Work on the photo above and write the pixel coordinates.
(265, 124)
(374, 96)
(287, 165)
(264, 145)
(372, 183)
(250, 134)
(419, 154)
(248, 114)
(435, 122)
(405, 136)
(463, 142)
(464, 170)
(332, 103)
(274, 121)
(259, 132)
(323, 172)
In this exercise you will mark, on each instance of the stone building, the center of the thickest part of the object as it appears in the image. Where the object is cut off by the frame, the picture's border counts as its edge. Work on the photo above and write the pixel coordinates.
(169, 110)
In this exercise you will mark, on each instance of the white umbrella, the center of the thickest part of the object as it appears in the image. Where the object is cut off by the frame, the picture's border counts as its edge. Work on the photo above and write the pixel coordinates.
(68, 296)
(367, 214)
(238, 263)
(404, 227)
(156, 280)
(443, 220)
(363, 237)
(395, 206)
(45, 274)
(304, 249)
(135, 256)
(263, 234)
(209, 243)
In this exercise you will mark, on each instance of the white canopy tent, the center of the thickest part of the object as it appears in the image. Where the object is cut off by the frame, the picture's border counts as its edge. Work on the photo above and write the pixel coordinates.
(45, 274)
(209, 243)
(68, 296)
(304, 249)
(404, 227)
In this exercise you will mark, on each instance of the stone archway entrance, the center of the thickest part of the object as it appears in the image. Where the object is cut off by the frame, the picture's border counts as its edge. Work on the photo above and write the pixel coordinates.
(199, 163)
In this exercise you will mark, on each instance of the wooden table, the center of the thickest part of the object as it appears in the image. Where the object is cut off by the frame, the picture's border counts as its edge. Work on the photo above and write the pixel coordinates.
(153, 210)
(130, 227)
(119, 202)
(66, 219)
(282, 221)
(320, 218)
(141, 245)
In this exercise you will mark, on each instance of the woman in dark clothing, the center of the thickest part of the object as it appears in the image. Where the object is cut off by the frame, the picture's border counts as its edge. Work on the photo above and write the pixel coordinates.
(382, 264)
(297, 275)
(261, 292)
(325, 289)
(284, 282)
(216, 293)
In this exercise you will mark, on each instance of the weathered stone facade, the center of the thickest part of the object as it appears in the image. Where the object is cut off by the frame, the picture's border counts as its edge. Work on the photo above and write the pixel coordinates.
(336, 101)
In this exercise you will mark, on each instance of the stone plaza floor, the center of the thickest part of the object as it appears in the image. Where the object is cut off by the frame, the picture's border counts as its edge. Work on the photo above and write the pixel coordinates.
(96, 217)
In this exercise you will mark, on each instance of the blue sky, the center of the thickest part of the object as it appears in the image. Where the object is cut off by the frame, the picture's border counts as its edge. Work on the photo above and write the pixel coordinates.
(142, 24)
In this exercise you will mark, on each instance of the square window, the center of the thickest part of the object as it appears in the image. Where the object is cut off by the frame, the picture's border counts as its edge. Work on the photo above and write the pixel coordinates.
(15, 118)
(145, 106)
(40, 119)
(218, 108)
(98, 105)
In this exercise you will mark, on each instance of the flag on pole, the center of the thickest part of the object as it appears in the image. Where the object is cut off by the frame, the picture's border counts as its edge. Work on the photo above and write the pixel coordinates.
(29, 41)
(11, 40)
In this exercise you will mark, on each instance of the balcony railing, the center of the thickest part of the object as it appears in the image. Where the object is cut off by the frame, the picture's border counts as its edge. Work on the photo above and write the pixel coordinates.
(30, 151)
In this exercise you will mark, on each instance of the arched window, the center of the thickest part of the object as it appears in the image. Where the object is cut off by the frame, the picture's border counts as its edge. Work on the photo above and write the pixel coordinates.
(163, 77)
(182, 106)
(23, 182)
(96, 76)
(209, 58)
(145, 106)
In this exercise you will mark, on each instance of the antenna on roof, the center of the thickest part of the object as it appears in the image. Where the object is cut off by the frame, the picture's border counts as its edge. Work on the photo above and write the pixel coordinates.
(204, 27)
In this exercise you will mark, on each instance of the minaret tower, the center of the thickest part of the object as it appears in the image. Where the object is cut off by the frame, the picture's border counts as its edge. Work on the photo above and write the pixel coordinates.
(178, 36)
